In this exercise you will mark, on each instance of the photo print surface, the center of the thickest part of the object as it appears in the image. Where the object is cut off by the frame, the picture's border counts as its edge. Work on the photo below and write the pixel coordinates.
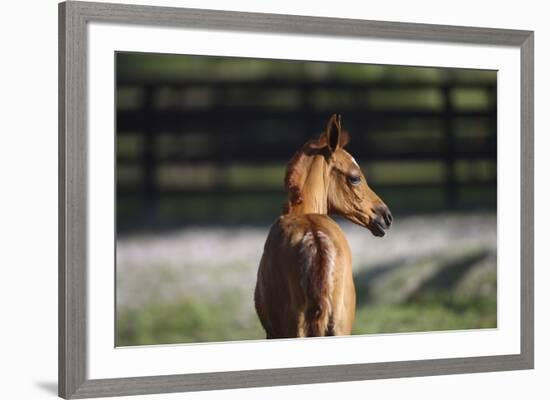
(203, 151)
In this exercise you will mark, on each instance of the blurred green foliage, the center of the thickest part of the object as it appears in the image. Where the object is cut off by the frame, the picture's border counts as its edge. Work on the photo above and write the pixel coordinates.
(193, 320)
(186, 321)
(425, 316)
(173, 67)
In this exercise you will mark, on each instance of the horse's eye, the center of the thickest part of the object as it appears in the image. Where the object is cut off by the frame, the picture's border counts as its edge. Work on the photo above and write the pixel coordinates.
(354, 179)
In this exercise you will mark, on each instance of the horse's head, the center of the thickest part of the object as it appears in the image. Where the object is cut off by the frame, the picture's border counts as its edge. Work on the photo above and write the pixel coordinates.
(348, 191)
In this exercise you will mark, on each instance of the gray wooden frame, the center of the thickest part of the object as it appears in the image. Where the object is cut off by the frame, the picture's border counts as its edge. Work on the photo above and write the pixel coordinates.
(73, 19)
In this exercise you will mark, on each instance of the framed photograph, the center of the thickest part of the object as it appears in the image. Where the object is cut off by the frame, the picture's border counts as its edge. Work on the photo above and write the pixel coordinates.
(255, 200)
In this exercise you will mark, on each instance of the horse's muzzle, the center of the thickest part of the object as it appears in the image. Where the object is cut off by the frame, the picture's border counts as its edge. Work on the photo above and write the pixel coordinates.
(381, 221)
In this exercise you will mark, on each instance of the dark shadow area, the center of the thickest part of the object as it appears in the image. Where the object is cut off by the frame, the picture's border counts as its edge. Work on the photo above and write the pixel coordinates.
(458, 293)
(445, 278)
(49, 387)
(451, 272)
(365, 278)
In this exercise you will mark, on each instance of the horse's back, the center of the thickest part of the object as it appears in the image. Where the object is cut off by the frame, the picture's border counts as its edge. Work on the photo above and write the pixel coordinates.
(288, 231)
(306, 263)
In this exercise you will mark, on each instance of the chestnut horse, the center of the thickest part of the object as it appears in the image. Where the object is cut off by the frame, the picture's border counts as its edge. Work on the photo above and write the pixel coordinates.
(305, 283)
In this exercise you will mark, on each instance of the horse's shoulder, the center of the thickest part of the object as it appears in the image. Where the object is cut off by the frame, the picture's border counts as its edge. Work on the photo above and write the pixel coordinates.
(303, 222)
(324, 222)
(290, 226)
(294, 227)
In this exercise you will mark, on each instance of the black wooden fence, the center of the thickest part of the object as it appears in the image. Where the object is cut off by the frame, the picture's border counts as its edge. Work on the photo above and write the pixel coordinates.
(241, 124)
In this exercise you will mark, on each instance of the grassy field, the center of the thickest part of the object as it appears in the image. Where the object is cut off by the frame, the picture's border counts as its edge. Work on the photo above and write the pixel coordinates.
(196, 285)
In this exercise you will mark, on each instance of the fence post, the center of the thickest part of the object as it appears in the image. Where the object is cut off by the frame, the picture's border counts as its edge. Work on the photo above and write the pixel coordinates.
(451, 192)
(148, 158)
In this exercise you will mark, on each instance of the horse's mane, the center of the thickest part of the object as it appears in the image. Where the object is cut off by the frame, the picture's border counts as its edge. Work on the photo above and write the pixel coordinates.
(296, 167)
(295, 170)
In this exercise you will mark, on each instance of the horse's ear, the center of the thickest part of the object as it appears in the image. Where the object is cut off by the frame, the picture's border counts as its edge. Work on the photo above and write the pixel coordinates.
(335, 137)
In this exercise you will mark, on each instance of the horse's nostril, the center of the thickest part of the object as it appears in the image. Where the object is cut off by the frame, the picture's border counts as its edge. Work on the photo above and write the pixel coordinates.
(384, 214)
(388, 218)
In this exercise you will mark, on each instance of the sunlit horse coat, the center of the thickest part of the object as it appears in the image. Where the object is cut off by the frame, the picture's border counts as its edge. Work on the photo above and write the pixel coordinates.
(305, 283)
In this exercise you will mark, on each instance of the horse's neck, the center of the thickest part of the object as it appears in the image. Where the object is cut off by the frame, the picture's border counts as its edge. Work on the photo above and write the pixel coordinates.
(314, 189)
